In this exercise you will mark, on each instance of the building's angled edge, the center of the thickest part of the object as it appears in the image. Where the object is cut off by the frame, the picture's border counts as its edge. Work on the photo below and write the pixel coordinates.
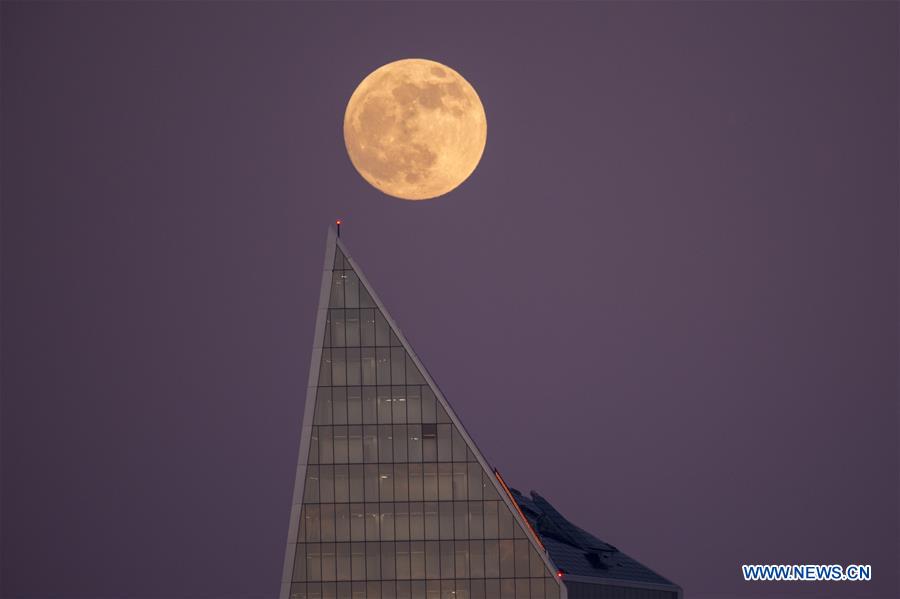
(306, 429)
(513, 507)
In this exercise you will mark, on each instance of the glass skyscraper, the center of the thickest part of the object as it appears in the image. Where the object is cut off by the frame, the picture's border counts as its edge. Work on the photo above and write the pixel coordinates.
(392, 498)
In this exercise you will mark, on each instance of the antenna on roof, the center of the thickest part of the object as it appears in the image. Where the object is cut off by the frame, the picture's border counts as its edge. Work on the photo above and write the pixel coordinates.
(338, 223)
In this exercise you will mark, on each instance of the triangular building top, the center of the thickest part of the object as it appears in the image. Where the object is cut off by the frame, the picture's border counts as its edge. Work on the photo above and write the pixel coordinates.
(392, 497)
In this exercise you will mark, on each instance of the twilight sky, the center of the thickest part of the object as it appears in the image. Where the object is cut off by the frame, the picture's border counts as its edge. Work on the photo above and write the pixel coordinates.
(666, 299)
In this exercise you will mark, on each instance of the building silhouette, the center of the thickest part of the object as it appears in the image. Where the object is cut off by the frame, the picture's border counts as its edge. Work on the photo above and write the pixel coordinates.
(393, 499)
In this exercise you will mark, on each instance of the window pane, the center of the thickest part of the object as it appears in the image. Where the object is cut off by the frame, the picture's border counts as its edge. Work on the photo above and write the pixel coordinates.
(312, 520)
(353, 366)
(326, 444)
(474, 480)
(401, 521)
(373, 561)
(342, 522)
(325, 369)
(445, 509)
(387, 521)
(401, 482)
(351, 289)
(415, 482)
(338, 367)
(413, 404)
(340, 445)
(441, 413)
(461, 549)
(300, 563)
(432, 527)
(341, 484)
(416, 521)
(367, 328)
(522, 547)
(402, 552)
(382, 331)
(398, 366)
(351, 318)
(444, 443)
(476, 519)
(429, 409)
(314, 562)
(339, 405)
(460, 520)
(413, 376)
(398, 404)
(313, 457)
(476, 559)
(400, 443)
(354, 444)
(354, 405)
(430, 481)
(384, 405)
(340, 262)
(551, 589)
(326, 484)
(367, 359)
(358, 557)
(488, 490)
(445, 481)
(369, 406)
(505, 520)
(537, 588)
(429, 442)
(371, 476)
(382, 365)
(326, 515)
(491, 530)
(373, 522)
(522, 588)
(507, 563)
(357, 483)
(432, 560)
(460, 481)
(385, 443)
(386, 482)
(388, 571)
(537, 567)
(357, 522)
(417, 561)
(338, 337)
(370, 444)
(414, 436)
(459, 446)
(476, 589)
(448, 569)
(323, 406)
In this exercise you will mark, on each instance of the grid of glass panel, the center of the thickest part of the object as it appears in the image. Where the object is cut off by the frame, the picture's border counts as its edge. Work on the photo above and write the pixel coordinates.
(395, 504)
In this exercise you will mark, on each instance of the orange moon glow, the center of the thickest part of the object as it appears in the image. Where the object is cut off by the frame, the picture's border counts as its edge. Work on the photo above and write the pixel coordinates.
(415, 129)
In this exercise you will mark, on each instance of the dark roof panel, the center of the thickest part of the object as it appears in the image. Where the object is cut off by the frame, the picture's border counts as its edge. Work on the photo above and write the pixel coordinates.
(577, 552)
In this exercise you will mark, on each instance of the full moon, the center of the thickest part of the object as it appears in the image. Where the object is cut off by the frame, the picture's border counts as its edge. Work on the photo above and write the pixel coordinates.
(415, 129)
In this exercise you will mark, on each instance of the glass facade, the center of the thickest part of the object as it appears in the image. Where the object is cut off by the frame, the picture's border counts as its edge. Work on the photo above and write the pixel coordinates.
(395, 504)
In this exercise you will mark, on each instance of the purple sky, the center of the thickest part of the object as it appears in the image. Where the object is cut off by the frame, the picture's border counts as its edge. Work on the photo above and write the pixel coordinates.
(666, 299)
